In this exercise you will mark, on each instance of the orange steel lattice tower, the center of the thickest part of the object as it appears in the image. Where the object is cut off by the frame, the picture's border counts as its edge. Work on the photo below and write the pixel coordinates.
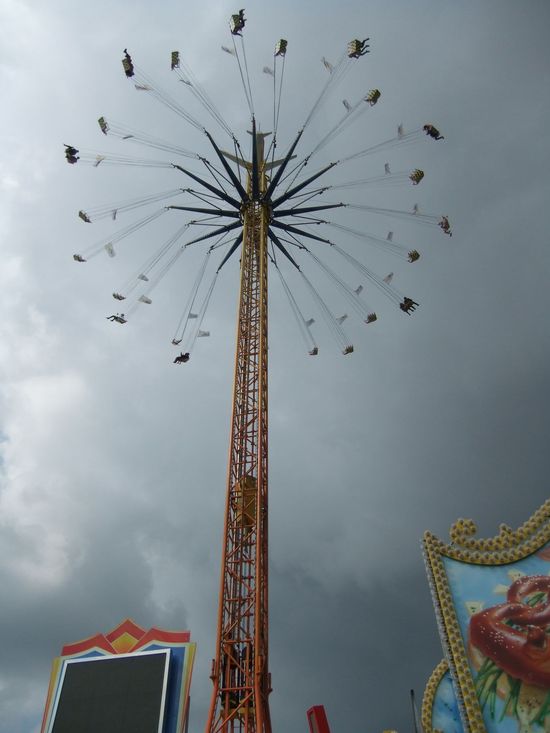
(240, 670)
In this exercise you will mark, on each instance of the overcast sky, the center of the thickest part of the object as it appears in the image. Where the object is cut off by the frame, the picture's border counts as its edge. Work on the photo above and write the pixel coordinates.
(113, 460)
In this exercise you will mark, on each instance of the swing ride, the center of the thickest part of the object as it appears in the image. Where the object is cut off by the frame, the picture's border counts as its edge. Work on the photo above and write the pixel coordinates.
(256, 206)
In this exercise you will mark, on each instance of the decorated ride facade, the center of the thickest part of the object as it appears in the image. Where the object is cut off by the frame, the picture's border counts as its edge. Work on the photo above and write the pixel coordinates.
(126, 680)
(492, 602)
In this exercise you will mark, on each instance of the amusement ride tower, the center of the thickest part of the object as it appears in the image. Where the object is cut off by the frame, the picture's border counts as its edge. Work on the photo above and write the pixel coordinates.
(240, 670)
(266, 228)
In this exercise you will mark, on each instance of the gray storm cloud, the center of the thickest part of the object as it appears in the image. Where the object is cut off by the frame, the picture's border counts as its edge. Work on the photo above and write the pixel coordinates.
(113, 461)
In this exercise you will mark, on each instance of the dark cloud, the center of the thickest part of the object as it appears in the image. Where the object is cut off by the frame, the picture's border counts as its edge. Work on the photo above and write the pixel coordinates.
(113, 461)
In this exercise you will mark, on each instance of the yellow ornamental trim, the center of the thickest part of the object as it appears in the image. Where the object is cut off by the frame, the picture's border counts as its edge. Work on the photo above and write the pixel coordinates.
(429, 695)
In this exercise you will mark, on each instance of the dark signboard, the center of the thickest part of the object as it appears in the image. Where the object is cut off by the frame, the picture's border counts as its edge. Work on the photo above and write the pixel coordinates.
(113, 694)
